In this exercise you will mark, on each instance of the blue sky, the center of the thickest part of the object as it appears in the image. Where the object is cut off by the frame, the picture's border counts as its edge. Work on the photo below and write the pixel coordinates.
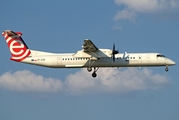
(32, 92)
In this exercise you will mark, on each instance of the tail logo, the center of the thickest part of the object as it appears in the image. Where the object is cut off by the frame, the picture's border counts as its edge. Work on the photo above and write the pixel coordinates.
(17, 47)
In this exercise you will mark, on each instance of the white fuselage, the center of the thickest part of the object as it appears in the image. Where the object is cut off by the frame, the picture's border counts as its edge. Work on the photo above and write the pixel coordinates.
(89, 57)
(121, 60)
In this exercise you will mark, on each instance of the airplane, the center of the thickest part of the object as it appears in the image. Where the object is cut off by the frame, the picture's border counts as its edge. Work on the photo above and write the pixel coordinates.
(90, 57)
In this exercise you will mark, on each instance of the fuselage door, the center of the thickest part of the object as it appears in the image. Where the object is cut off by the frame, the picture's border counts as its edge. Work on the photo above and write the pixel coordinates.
(59, 60)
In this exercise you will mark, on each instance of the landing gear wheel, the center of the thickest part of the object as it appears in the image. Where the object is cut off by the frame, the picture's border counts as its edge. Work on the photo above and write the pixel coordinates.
(94, 74)
(89, 69)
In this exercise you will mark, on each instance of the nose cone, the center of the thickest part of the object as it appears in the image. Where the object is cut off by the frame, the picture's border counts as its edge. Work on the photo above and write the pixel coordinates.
(170, 62)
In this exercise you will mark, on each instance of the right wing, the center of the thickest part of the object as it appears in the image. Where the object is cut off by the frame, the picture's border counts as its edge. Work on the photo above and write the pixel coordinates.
(88, 46)
(90, 51)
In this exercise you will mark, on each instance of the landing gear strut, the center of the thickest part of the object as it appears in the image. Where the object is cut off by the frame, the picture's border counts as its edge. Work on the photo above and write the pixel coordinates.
(166, 69)
(90, 68)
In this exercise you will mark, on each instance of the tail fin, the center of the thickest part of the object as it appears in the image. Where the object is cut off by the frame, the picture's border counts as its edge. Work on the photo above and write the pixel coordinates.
(17, 46)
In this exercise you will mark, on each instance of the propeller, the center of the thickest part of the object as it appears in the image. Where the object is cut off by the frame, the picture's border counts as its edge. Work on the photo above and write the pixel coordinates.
(114, 52)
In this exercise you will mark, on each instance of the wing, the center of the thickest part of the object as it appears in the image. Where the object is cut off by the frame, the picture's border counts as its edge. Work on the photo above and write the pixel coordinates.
(88, 46)
(91, 51)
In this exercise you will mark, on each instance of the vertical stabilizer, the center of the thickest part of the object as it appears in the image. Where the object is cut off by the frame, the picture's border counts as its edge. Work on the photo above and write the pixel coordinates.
(18, 49)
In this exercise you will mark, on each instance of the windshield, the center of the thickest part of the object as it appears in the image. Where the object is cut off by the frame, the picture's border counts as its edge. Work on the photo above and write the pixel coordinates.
(160, 56)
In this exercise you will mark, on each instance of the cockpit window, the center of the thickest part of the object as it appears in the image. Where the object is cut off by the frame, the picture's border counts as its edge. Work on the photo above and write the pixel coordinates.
(160, 56)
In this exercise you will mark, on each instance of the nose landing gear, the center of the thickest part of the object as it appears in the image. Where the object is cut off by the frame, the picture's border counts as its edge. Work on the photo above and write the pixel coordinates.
(166, 69)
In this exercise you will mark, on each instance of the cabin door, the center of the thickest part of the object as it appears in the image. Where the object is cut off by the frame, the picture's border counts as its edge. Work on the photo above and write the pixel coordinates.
(59, 60)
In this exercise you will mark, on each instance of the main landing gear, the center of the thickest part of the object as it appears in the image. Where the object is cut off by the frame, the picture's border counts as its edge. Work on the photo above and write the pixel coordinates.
(166, 69)
(95, 70)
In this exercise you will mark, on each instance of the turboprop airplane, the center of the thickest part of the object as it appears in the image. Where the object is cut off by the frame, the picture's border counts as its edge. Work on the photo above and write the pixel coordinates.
(90, 57)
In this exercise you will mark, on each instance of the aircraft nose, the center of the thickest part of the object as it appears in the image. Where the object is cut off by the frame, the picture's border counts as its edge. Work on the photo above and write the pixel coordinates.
(170, 62)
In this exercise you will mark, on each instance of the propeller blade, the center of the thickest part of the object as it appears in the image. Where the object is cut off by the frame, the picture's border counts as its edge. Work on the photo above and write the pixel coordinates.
(113, 47)
(114, 52)
(113, 57)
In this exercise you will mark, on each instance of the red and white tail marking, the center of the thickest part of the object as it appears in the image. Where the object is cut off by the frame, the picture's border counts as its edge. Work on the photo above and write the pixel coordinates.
(17, 46)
